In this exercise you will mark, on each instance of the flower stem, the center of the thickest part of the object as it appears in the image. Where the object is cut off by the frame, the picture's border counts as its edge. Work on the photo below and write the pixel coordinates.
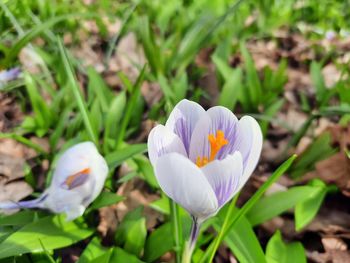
(191, 243)
(177, 230)
(224, 227)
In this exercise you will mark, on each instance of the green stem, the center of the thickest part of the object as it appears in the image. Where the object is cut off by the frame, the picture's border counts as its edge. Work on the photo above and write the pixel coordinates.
(186, 257)
(191, 243)
(177, 230)
(228, 217)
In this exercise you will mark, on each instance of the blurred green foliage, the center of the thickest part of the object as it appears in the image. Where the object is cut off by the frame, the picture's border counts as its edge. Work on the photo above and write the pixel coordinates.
(68, 102)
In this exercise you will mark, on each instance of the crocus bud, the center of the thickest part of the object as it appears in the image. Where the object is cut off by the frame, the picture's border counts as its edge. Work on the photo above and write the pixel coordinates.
(77, 180)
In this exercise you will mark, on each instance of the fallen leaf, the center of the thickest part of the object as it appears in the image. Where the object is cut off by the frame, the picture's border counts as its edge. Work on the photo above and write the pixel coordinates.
(335, 251)
(333, 243)
(14, 191)
(151, 92)
(10, 114)
(333, 170)
(128, 56)
(341, 136)
(331, 75)
(16, 150)
(11, 168)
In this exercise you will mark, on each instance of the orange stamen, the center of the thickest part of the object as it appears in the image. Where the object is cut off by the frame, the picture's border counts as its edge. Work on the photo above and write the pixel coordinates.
(216, 143)
(200, 162)
(70, 179)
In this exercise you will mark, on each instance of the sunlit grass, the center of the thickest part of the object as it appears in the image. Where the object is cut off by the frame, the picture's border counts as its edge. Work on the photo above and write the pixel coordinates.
(182, 43)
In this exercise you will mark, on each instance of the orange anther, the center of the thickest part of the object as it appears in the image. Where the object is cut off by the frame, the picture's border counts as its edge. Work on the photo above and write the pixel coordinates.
(216, 143)
(70, 179)
(200, 162)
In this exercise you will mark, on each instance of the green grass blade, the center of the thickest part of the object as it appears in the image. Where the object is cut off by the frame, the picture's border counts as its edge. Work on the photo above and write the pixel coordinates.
(117, 157)
(112, 44)
(210, 252)
(152, 51)
(279, 252)
(34, 32)
(279, 202)
(242, 241)
(52, 231)
(113, 119)
(77, 94)
(101, 91)
(130, 106)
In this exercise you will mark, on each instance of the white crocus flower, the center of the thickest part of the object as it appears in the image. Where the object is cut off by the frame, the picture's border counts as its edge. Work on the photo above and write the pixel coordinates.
(77, 180)
(203, 158)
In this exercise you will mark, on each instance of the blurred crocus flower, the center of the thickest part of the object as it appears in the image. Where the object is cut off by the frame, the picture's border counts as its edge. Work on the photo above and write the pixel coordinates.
(77, 180)
(8, 75)
(330, 35)
(203, 158)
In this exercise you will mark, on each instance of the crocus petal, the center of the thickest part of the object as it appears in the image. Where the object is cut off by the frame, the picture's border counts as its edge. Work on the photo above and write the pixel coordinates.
(249, 144)
(8, 205)
(224, 176)
(74, 212)
(183, 119)
(217, 118)
(77, 158)
(73, 166)
(199, 145)
(224, 120)
(8, 75)
(162, 141)
(185, 183)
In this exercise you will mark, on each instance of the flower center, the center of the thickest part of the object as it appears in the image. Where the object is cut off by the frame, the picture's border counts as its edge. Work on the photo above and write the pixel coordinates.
(216, 143)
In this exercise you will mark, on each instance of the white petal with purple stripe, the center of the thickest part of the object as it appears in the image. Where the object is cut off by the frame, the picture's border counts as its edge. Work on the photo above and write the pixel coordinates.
(161, 141)
(185, 183)
(224, 176)
(183, 119)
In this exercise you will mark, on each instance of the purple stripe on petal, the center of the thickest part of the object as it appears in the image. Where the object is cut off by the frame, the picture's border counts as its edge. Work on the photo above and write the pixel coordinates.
(185, 183)
(239, 136)
(243, 141)
(244, 146)
(184, 130)
(165, 147)
(183, 120)
(224, 120)
(162, 141)
(224, 191)
(199, 145)
(78, 181)
(229, 128)
(224, 176)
